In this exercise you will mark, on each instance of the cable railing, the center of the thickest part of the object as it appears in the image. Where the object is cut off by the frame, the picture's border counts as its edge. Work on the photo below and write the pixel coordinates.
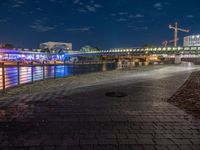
(19, 74)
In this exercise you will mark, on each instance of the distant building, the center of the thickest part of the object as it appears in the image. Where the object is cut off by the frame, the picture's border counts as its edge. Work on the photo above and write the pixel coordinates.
(56, 47)
(193, 40)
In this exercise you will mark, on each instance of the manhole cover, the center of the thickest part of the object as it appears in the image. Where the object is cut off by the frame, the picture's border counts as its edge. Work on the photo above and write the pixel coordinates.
(116, 94)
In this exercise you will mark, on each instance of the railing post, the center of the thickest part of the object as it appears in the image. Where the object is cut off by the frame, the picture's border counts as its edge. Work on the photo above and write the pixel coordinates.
(3, 78)
(32, 72)
(54, 69)
(73, 68)
(43, 68)
(65, 65)
(18, 73)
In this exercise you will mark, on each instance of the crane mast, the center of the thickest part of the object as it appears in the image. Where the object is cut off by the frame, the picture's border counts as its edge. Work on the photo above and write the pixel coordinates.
(176, 30)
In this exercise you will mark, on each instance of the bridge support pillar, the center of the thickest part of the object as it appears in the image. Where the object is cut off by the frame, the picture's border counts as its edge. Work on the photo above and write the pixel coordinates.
(104, 67)
(140, 63)
(132, 64)
(177, 59)
(119, 64)
(146, 63)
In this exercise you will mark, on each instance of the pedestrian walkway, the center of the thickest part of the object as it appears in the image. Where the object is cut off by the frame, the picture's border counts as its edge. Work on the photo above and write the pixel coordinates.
(89, 119)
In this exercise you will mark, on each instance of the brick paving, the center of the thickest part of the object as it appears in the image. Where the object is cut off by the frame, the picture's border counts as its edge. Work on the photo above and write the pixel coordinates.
(188, 97)
(89, 120)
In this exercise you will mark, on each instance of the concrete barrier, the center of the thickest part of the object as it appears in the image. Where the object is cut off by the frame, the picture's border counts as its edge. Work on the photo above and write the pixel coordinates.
(119, 65)
(146, 63)
(140, 63)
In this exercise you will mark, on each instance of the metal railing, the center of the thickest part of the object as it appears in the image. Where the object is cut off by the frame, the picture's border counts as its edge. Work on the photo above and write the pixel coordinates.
(18, 74)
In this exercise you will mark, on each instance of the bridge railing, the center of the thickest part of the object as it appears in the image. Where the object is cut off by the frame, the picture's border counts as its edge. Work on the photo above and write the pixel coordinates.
(19, 74)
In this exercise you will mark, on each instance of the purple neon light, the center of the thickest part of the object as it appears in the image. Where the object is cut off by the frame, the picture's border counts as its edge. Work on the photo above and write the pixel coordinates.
(9, 51)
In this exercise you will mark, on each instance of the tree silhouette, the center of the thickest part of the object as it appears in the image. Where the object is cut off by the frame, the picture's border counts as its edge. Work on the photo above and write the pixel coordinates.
(148, 46)
(8, 46)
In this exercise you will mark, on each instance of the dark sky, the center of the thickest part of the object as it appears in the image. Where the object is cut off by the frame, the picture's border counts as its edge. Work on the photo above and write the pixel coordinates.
(101, 23)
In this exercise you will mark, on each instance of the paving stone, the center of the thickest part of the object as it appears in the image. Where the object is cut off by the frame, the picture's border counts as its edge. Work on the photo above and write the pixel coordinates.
(74, 148)
(164, 141)
(144, 141)
(173, 147)
(149, 147)
(195, 141)
(87, 147)
(124, 147)
(107, 142)
(88, 141)
(136, 147)
(185, 147)
(158, 147)
(70, 142)
(132, 136)
(122, 136)
(195, 147)
(127, 141)
(145, 136)
(106, 147)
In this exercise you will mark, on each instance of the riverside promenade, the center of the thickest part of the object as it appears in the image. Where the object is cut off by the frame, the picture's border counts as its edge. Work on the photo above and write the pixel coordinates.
(116, 110)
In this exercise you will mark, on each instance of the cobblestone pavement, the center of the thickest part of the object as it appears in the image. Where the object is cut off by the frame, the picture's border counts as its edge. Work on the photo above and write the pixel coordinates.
(188, 97)
(89, 120)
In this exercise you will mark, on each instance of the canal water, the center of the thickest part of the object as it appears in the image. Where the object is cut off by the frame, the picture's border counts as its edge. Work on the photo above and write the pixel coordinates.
(13, 77)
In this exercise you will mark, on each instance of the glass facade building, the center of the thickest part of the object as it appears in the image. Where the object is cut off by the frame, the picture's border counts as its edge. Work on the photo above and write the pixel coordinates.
(193, 40)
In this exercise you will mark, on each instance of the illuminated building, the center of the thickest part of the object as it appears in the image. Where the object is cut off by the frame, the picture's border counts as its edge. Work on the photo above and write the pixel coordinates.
(193, 40)
(56, 47)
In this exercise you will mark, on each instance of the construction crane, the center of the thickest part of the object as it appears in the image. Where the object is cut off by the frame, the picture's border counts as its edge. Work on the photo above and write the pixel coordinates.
(165, 43)
(176, 29)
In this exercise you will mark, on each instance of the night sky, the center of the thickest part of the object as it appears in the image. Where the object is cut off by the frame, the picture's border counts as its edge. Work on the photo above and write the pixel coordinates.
(101, 23)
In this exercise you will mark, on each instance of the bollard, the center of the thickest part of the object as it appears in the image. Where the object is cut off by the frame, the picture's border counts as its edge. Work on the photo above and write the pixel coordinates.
(43, 70)
(3, 78)
(18, 73)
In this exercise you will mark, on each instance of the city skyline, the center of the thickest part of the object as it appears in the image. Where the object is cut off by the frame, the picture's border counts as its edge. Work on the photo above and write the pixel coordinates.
(119, 23)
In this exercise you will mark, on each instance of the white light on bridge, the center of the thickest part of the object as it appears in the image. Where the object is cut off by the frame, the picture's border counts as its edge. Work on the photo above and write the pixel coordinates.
(179, 48)
(169, 48)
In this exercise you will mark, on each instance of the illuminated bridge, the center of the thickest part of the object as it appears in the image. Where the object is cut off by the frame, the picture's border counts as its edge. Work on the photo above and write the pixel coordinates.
(166, 52)
(160, 51)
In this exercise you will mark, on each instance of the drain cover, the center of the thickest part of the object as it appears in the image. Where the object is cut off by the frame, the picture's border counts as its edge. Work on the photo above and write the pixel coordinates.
(116, 94)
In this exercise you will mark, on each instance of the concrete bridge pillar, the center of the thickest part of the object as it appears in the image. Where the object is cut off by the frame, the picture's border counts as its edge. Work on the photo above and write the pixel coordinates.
(146, 63)
(132, 63)
(104, 67)
(119, 64)
(177, 59)
(140, 63)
